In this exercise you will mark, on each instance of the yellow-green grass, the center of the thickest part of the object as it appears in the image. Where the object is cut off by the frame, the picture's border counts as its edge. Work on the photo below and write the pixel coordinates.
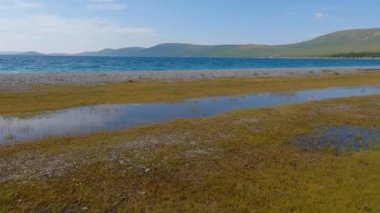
(50, 97)
(241, 161)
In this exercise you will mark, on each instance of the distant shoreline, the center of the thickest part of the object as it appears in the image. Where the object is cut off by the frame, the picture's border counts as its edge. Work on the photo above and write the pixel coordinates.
(24, 80)
(352, 43)
(337, 56)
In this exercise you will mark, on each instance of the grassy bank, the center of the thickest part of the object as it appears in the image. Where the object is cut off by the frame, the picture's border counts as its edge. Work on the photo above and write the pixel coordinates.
(50, 97)
(240, 161)
(237, 162)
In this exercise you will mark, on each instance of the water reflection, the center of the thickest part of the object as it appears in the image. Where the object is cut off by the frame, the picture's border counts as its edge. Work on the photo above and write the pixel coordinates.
(82, 120)
(345, 138)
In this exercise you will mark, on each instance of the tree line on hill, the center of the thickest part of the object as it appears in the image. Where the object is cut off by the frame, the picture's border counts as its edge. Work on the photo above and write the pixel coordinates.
(358, 55)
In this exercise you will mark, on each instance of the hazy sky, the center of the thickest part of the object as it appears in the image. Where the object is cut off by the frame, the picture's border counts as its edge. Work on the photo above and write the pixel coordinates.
(77, 25)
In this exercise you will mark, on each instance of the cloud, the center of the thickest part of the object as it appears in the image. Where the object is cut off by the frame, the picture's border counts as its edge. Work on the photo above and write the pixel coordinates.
(58, 25)
(105, 5)
(20, 5)
(50, 33)
(320, 15)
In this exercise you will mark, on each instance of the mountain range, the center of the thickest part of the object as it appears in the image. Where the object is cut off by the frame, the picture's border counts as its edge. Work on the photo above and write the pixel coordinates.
(333, 44)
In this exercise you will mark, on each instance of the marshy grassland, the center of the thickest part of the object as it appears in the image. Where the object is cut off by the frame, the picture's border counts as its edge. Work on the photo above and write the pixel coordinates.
(51, 97)
(241, 161)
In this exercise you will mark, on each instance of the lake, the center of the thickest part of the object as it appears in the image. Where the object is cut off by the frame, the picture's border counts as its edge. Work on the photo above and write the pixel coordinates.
(33, 64)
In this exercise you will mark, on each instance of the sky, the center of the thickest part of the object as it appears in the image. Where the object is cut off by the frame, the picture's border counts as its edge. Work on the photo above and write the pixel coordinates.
(71, 26)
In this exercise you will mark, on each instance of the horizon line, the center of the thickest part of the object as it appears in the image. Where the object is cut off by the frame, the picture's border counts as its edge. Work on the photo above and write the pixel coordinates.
(10, 52)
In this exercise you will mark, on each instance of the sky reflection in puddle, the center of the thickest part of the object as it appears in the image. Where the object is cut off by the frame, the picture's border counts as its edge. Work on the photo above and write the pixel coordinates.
(91, 119)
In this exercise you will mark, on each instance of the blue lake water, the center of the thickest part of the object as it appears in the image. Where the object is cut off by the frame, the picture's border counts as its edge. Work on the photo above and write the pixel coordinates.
(90, 119)
(30, 64)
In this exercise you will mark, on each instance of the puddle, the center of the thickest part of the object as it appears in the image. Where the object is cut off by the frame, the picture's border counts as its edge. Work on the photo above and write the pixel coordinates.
(338, 139)
(84, 120)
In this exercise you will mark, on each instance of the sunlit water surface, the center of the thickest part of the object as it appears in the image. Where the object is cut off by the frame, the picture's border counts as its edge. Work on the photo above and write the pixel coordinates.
(51, 64)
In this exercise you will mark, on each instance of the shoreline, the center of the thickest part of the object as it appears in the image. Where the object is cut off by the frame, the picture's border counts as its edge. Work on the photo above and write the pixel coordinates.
(18, 81)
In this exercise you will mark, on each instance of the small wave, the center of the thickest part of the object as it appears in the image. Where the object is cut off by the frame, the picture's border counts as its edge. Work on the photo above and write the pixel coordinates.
(10, 72)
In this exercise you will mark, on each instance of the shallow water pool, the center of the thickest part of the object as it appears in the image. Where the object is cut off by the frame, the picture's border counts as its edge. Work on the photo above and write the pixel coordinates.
(338, 139)
(91, 119)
